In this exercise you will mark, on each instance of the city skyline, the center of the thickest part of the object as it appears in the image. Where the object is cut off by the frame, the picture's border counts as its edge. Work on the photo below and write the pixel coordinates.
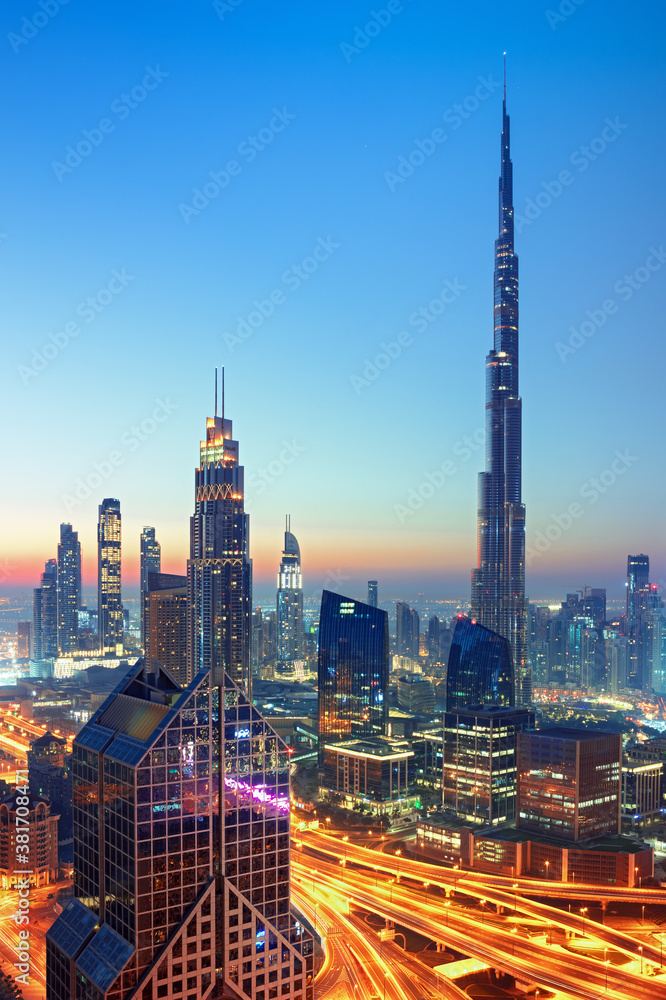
(361, 294)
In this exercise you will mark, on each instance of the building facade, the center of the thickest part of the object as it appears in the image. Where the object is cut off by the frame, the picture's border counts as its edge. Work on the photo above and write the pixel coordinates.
(642, 804)
(69, 589)
(181, 881)
(45, 614)
(150, 559)
(498, 582)
(109, 582)
(480, 669)
(569, 783)
(290, 600)
(165, 623)
(33, 836)
(416, 695)
(219, 571)
(23, 638)
(352, 670)
(373, 595)
(407, 630)
(378, 775)
(480, 763)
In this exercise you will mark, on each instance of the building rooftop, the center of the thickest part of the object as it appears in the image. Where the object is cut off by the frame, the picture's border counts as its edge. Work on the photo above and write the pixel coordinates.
(564, 733)
(373, 747)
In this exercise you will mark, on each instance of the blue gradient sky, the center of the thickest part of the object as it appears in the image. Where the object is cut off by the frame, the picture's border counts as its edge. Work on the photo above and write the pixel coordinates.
(323, 176)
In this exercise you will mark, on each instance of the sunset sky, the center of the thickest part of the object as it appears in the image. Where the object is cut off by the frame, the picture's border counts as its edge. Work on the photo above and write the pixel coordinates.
(306, 121)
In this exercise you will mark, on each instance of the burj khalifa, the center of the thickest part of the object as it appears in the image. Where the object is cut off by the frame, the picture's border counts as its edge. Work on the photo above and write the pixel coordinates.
(498, 583)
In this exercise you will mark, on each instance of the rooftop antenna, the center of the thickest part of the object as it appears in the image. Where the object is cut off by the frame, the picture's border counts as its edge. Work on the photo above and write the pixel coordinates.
(505, 77)
(223, 396)
(216, 393)
(288, 522)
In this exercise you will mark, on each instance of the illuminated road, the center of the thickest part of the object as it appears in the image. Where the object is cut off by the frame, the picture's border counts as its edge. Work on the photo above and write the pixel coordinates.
(547, 965)
(41, 917)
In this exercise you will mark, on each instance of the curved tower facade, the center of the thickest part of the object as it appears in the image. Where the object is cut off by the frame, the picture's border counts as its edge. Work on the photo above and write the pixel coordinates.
(498, 583)
(290, 600)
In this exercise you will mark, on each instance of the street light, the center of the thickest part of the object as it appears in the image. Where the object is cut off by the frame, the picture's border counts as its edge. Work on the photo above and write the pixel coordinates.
(397, 854)
(425, 886)
(583, 910)
(547, 868)
(640, 948)
(345, 839)
(515, 896)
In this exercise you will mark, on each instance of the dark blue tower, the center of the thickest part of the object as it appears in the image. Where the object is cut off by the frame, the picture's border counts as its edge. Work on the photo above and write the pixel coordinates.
(498, 583)
(480, 671)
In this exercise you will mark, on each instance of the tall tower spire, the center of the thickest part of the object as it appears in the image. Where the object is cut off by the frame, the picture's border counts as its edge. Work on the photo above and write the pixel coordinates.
(498, 583)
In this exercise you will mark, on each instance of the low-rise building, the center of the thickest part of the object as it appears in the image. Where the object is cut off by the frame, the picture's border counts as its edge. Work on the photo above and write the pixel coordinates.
(374, 774)
(27, 829)
(641, 794)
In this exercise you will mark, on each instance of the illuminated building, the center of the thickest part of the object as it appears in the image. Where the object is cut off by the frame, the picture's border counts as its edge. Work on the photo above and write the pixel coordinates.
(372, 593)
(150, 561)
(569, 783)
(642, 793)
(416, 695)
(45, 614)
(407, 626)
(219, 571)
(375, 774)
(290, 600)
(69, 588)
(23, 635)
(498, 583)
(480, 762)
(480, 670)
(50, 777)
(41, 842)
(180, 882)
(165, 623)
(109, 595)
(352, 670)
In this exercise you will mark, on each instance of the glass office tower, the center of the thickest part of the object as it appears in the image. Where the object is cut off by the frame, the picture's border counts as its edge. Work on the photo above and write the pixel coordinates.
(219, 571)
(150, 552)
(480, 671)
(45, 614)
(290, 637)
(109, 596)
(353, 670)
(181, 880)
(498, 583)
(69, 588)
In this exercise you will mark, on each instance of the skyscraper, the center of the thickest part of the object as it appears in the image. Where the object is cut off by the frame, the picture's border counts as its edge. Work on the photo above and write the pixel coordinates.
(69, 588)
(219, 571)
(109, 595)
(150, 561)
(372, 593)
(479, 671)
(45, 614)
(352, 670)
(638, 589)
(407, 629)
(290, 599)
(180, 881)
(498, 583)
(164, 623)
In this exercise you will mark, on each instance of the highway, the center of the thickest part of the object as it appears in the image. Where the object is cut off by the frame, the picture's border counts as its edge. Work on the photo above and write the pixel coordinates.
(405, 899)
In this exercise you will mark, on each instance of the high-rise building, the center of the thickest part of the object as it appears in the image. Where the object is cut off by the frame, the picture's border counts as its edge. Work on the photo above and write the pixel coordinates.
(352, 670)
(165, 623)
(45, 614)
(219, 571)
(498, 583)
(69, 588)
(290, 600)
(407, 630)
(480, 671)
(150, 562)
(480, 762)
(569, 783)
(181, 882)
(373, 593)
(416, 695)
(109, 593)
(638, 583)
(23, 636)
